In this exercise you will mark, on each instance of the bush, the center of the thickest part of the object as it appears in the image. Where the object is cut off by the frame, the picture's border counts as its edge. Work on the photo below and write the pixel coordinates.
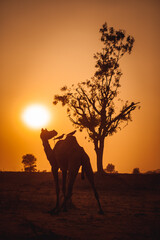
(110, 168)
(136, 171)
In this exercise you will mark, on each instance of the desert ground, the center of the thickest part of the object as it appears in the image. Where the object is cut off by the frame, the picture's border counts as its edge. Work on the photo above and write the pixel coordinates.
(131, 204)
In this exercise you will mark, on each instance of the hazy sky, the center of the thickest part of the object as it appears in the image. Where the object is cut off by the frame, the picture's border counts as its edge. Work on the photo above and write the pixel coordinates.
(46, 44)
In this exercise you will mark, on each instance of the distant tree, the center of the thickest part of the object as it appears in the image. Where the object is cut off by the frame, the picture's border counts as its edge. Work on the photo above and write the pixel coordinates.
(110, 168)
(92, 104)
(136, 171)
(29, 162)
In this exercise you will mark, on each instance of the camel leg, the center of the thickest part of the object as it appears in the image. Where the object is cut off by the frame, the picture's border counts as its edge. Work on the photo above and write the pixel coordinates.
(55, 175)
(71, 180)
(64, 175)
(89, 173)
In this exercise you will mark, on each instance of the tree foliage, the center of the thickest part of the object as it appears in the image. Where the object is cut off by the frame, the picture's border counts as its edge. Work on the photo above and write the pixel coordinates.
(29, 162)
(91, 104)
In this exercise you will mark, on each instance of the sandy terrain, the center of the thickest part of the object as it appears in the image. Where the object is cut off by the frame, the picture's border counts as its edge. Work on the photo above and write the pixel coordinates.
(131, 204)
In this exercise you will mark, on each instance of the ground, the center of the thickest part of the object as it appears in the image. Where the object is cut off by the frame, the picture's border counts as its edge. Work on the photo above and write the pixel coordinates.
(131, 204)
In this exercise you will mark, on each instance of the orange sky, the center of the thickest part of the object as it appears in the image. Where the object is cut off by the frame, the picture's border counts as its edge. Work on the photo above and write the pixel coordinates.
(48, 44)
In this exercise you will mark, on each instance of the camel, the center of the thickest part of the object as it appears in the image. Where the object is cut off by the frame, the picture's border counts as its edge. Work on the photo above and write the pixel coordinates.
(67, 155)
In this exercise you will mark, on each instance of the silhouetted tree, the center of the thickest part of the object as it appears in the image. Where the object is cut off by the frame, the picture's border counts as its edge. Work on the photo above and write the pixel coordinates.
(91, 104)
(110, 168)
(29, 162)
(136, 171)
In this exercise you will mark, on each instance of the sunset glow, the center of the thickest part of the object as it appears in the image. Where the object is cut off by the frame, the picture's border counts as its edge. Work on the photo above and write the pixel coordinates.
(36, 116)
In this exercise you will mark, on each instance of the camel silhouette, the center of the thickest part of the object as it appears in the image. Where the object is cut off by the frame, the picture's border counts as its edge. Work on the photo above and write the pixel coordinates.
(67, 155)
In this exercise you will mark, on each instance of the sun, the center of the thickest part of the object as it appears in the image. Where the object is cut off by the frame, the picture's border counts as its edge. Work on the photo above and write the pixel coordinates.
(36, 116)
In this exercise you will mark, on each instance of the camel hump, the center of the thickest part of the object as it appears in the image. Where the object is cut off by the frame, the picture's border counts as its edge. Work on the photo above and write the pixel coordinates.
(72, 141)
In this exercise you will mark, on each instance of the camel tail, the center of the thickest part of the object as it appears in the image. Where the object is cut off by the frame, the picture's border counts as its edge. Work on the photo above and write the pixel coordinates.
(82, 173)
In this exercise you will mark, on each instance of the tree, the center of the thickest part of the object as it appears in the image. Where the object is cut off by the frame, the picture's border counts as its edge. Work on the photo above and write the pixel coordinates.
(29, 162)
(136, 171)
(110, 168)
(91, 105)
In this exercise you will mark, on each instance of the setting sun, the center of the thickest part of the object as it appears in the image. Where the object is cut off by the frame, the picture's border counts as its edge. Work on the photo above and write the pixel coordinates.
(36, 116)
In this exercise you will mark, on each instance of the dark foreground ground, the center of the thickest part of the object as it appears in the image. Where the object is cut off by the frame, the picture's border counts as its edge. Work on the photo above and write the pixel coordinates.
(131, 204)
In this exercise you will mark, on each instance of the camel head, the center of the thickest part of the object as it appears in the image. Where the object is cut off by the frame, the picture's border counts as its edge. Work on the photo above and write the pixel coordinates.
(45, 134)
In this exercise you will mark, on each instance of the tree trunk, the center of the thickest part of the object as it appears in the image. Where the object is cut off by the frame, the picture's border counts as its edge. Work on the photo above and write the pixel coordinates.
(99, 152)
